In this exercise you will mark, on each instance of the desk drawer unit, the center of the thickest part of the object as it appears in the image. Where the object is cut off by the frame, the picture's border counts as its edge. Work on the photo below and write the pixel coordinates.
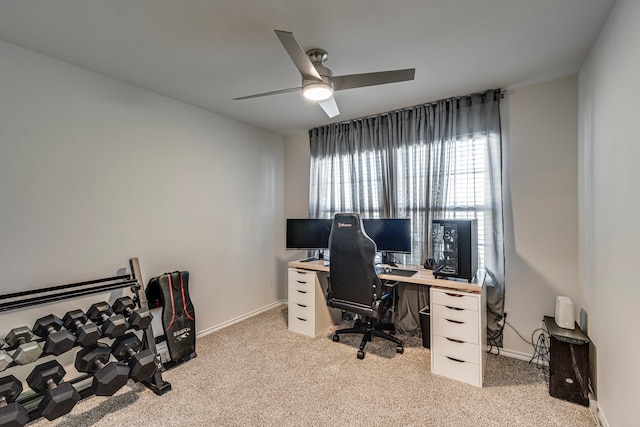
(458, 334)
(308, 310)
(461, 325)
(301, 319)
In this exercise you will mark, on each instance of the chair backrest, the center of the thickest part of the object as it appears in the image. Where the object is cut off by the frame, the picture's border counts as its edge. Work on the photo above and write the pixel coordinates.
(352, 262)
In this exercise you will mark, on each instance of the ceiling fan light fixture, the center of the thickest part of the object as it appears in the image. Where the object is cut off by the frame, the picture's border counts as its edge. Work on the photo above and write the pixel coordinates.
(317, 91)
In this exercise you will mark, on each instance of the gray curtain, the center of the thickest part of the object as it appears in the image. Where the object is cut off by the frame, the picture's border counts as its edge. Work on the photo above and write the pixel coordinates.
(432, 161)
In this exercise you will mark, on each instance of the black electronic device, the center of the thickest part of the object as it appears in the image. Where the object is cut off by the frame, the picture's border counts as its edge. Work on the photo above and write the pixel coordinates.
(310, 234)
(568, 363)
(455, 248)
(394, 271)
(391, 235)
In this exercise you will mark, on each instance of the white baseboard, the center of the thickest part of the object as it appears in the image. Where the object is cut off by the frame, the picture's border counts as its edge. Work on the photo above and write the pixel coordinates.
(518, 355)
(601, 420)
(223, 325)
(597, 414)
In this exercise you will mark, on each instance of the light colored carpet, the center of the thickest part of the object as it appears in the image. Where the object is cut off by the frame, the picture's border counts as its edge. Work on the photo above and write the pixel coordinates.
(257, 373)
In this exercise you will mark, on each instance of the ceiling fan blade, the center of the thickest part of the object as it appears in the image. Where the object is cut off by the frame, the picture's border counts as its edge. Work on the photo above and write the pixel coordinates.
(298, 55)
(275, 92)
(330, 107)
(352, 81)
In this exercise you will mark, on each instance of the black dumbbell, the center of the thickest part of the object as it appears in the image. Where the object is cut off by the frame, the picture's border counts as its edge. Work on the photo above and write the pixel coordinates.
(28, 351)
(142, 364)
(59, 397)
(86, 332)
(112, 325)
(58, 339)
(109, 377)
(11, 412)
(138, 319)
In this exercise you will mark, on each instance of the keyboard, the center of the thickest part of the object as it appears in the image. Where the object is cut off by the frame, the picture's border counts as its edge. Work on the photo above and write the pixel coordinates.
(397, 272)
(403, 273)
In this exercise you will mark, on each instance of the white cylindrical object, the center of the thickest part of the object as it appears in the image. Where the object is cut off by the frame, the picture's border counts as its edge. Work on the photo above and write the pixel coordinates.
(565, 317)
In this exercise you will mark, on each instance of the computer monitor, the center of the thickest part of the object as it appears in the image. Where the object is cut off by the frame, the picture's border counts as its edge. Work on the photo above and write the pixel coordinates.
(310, 234)
(391, 235)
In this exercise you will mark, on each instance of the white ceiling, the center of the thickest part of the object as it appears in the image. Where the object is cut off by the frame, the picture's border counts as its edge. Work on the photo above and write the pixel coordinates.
(207, 52)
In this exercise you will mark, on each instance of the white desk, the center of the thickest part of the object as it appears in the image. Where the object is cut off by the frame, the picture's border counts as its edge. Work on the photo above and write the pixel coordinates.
(458, 315)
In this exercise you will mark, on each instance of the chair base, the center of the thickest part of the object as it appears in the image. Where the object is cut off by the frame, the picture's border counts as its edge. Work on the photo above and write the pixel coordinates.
(369, 330)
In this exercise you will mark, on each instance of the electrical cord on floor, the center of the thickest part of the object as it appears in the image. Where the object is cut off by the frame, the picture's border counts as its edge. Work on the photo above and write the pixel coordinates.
(540, 345)
(495, 339)
(541, 353)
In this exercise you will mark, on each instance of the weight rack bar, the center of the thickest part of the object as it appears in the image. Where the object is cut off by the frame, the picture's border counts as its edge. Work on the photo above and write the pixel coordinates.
(59, 287)
(61, 296)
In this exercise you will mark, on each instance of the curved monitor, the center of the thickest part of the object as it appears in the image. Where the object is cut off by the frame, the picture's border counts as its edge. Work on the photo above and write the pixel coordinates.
(308, 233)
(390, 234)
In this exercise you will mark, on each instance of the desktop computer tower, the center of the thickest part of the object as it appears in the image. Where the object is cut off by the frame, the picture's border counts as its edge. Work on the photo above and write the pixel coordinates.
(455, 248)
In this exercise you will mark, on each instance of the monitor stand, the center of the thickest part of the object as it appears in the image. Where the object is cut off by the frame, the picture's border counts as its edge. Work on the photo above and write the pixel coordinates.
(320, 256)
(387, 258)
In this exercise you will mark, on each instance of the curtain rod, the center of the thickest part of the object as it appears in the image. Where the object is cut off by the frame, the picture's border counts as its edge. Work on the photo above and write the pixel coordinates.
(503, 92)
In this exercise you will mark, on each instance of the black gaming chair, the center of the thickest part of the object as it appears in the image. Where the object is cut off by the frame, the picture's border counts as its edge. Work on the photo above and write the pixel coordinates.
(354, 285)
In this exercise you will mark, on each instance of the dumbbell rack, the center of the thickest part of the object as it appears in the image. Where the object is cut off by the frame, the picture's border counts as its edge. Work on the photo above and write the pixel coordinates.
(18, 300)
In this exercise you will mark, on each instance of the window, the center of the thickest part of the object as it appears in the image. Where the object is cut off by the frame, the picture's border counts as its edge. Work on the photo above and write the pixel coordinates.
(354, 182)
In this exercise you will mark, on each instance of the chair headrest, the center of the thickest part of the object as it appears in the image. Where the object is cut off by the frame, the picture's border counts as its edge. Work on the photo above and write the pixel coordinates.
(346, 222)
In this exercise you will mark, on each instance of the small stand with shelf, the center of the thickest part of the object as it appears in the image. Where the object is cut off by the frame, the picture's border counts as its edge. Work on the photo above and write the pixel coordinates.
(568, 363)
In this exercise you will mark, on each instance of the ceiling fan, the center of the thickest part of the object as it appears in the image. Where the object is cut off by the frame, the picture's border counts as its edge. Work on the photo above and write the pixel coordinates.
(318, 84)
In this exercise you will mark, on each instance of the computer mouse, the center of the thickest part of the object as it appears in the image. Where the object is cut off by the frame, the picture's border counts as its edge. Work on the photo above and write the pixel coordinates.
(387, 270)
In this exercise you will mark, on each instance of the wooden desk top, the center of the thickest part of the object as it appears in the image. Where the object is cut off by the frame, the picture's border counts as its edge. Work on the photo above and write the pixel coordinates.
(422, 277)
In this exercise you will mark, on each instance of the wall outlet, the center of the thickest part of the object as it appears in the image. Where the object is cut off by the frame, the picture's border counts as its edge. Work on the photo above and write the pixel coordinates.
(271, 282)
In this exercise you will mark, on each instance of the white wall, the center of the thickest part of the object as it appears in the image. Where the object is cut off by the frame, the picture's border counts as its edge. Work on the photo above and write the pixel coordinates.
(541, 207)
(609, 191)
(296, 186)
(94, 171)
(541, 231)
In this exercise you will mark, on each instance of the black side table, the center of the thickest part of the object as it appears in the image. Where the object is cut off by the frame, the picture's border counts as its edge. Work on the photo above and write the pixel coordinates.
(568, 363)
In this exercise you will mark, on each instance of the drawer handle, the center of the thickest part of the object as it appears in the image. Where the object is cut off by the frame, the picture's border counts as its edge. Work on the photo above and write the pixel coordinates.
(454, 295)
(454, 308)
(454, 321)
(455, 360)
(300, 318)
(302, 292)
(301, 281)
(458, 341)
(301, 305)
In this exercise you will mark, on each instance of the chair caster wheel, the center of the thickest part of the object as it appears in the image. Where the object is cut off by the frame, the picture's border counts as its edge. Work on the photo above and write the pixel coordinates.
(399, 349)
(360, 354)
(336, 338)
